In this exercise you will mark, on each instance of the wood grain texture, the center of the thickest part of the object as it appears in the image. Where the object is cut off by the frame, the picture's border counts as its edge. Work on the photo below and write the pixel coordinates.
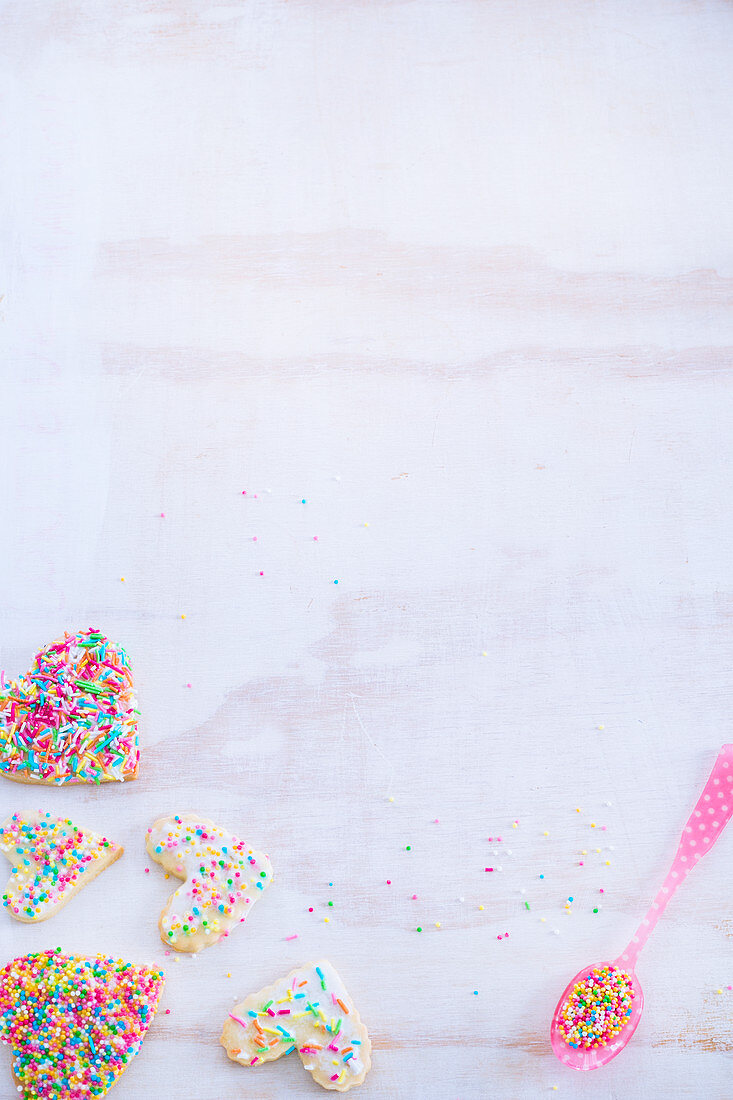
(461, 272)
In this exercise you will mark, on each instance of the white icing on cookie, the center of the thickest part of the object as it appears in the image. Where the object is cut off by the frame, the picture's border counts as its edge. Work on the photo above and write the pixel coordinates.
(52, 859)
(309, 1011)
(223, 876)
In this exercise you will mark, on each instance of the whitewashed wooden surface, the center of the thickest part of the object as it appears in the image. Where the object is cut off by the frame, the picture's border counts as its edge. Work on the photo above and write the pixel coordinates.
(461, 272)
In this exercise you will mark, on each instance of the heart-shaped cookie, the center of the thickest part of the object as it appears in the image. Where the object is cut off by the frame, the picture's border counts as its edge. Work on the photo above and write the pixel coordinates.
(73, 1022)
(72, 718)
(52, 860)
(224, 878)
(308, 1011)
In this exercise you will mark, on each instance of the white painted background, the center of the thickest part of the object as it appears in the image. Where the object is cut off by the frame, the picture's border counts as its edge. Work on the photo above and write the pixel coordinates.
(463, 272)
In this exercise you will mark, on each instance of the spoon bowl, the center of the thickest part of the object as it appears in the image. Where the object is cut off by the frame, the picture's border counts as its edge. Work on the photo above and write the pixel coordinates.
(579, 1058)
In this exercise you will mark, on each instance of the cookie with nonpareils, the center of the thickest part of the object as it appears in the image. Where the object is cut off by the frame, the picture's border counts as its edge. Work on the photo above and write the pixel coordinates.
(51, 860)
(73, 1023)
(223, 878)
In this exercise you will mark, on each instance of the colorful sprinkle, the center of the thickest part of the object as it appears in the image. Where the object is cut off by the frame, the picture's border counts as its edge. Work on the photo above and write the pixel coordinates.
(72, 718)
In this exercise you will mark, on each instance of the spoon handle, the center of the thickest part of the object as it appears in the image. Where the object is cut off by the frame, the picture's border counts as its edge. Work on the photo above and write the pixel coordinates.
(711, 814)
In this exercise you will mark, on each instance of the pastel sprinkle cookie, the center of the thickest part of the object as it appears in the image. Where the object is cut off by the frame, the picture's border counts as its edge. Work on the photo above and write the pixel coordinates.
(310, 1012)
(72, 718)
(223, 878)
(73, 1023)
(597, 1008)
(52, 859)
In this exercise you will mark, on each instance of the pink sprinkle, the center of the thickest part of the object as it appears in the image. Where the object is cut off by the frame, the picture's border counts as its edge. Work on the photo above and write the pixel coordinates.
(506, 935)
(167, 1011)
(188, 685)
(244, 492)
(601, 890)
(254, 538)
(414, 897)
(261, 573)
(498, 937)
(237, 1019)
(389, 882)
(437, 821)
(499, 839)
(253, 1060)
(488, 868)
(294, 936)
(162, 515)
(147, 870)
(310, 908)
(335, 1077)
(315, 538)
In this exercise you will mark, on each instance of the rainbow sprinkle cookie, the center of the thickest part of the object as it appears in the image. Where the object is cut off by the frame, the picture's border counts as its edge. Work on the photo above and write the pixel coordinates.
(74, 1023)
(72, 718)
(598, 1008)
(223, 876)
(308, 1011)
(52, 860)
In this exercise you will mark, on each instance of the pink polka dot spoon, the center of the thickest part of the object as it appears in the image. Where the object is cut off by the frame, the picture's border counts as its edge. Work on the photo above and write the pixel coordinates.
(600, 1008)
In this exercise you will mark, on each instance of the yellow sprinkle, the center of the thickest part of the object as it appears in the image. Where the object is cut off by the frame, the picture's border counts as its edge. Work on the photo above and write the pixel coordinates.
(598, 850)
(608, 863)
(228, 975)
(366, 524)
(546, 833)
(577, 809)
(480, 907)
(437, 924)
(326, 920)
(391, 799)
(484, 653)
(718, 990)
(183, 616)
(122, 578)
(592, 824)
(543, 919)
(514, 824)
(584, 852)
